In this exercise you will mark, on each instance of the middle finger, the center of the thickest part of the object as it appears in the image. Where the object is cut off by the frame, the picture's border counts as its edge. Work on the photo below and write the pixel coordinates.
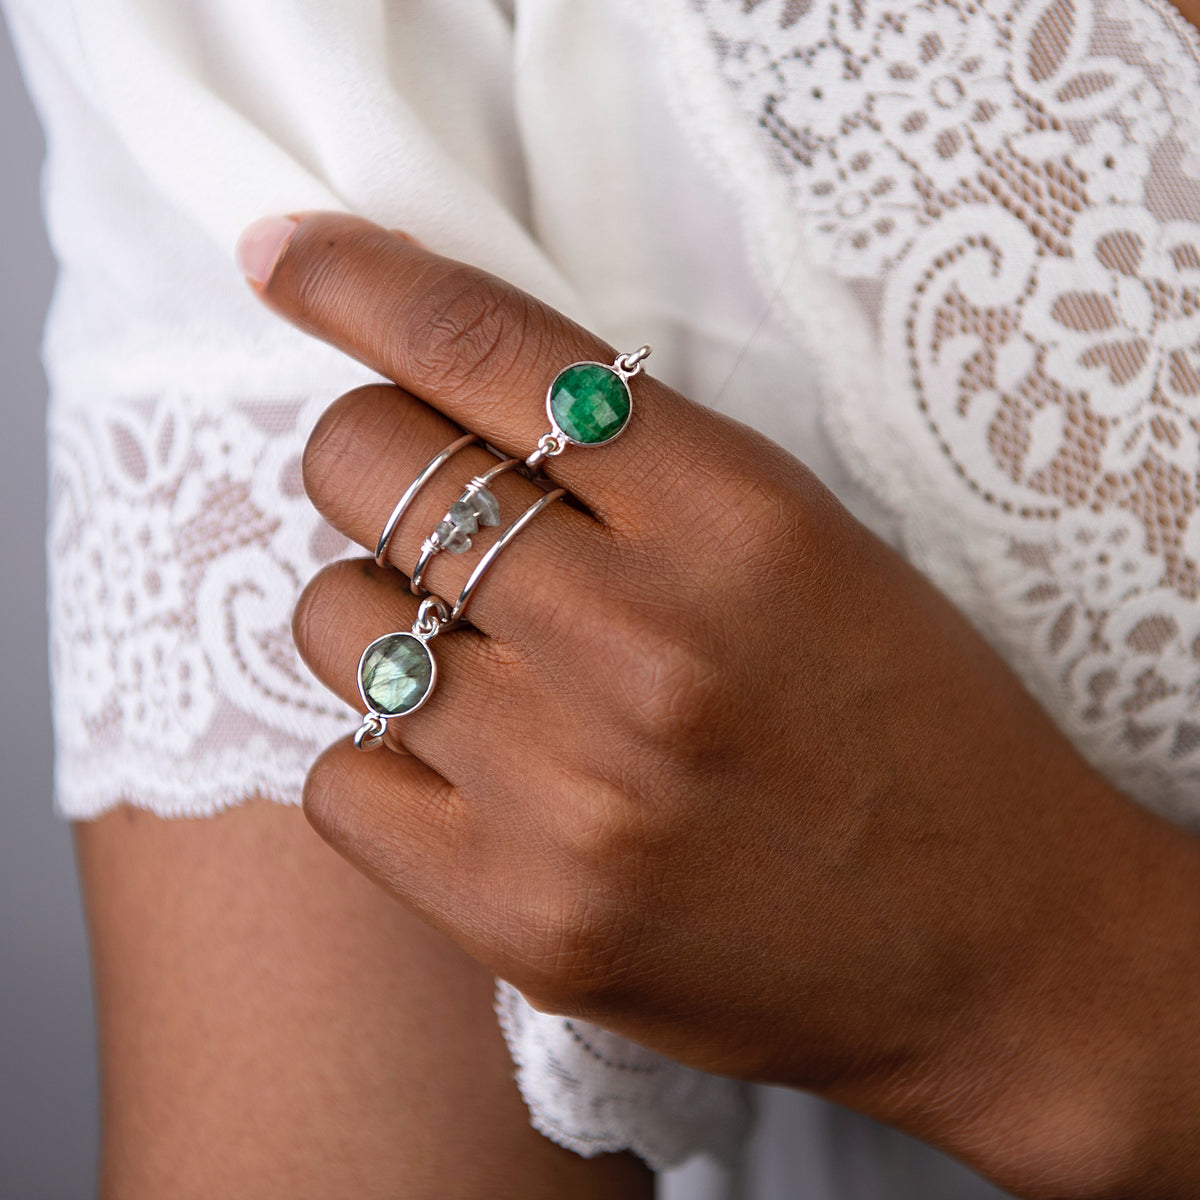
(371, 443)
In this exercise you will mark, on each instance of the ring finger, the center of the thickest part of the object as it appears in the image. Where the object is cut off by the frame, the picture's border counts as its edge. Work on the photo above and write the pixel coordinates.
(483, 690)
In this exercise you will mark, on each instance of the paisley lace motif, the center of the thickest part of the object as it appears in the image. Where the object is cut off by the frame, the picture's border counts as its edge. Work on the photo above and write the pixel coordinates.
(1003, 198)
(180, 537)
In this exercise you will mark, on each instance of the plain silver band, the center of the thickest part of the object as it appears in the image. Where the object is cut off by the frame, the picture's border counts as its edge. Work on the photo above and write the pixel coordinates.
(429, 548)
(413, 488)
(464, 597)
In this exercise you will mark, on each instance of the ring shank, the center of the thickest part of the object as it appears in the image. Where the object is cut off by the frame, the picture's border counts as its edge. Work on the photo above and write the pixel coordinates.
(430, 547)
(468, 588)
(411, 491)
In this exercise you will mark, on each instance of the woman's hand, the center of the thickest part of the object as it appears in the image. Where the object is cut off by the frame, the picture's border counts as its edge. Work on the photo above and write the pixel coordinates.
(718, 770)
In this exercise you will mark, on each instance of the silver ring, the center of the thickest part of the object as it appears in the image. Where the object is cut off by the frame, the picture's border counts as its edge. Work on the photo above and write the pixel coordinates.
(397, 672)
(464, 597)
(588, 404)
(410, 492)
(462, 519)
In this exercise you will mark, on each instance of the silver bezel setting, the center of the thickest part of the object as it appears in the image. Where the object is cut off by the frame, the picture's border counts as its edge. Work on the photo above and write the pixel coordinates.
(558, 430)
(362, 691)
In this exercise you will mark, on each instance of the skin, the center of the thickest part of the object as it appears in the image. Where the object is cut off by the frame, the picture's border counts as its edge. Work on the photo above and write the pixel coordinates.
(271, 1025)
(719, 771)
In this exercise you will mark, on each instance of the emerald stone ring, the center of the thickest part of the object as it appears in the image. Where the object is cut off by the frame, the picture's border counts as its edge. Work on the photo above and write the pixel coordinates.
(589, 404)
(476, 506)
(427, 473)
(396, 672)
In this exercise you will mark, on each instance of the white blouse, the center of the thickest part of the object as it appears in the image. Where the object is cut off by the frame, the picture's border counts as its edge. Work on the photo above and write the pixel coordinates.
(947, 253)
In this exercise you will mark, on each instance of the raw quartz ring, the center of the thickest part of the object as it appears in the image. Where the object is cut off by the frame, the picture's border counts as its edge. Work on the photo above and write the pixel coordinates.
(589, 404)
(397, 672)
(410, 493)
(475, 507)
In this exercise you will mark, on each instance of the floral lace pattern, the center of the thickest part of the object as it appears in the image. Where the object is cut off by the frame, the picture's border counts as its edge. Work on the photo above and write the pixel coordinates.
(1000, 204)
(1007, 194)
(180, 536)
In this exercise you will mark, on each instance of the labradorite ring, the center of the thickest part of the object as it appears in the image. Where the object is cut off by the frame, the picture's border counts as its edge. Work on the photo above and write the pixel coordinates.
(396, 672)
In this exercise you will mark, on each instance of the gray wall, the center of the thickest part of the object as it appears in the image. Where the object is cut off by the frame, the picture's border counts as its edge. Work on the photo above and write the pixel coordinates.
(47, 1067)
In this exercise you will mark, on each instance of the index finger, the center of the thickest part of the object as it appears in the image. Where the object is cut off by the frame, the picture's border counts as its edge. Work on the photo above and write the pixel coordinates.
(477, 348)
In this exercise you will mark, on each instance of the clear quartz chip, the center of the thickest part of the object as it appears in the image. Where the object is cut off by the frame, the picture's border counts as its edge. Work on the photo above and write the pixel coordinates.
(462, 514)
(486, 506)
(451, 538)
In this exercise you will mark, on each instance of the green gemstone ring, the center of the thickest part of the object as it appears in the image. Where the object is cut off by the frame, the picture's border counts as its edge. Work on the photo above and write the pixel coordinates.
(589, 404)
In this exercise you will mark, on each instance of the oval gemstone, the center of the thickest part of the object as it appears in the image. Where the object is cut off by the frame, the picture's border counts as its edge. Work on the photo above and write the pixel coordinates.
(589, 402)
(396, 674)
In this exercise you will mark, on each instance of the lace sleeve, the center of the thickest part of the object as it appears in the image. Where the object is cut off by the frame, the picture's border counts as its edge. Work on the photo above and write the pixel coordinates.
(984, 218)
(179, 538)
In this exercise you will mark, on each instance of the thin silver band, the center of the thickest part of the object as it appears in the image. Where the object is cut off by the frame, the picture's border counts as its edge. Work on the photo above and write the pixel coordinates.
(431, 546)
(413, 488)
(464, 597)
(433, 619)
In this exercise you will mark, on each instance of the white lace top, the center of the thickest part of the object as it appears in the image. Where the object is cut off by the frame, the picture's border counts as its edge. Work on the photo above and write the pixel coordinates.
(968, 232)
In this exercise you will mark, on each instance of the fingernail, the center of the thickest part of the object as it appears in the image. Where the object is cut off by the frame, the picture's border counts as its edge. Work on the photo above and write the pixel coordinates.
(261, 244)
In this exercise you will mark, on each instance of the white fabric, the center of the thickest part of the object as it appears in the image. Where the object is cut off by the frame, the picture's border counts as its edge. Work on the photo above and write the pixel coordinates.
(972, 236)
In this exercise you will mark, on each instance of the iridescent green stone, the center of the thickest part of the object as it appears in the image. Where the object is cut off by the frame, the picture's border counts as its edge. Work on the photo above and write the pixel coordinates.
(589, 402)
(396, 674)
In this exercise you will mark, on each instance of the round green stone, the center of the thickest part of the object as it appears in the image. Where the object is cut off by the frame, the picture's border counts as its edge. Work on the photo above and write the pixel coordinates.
(589, 402)
(396, 674)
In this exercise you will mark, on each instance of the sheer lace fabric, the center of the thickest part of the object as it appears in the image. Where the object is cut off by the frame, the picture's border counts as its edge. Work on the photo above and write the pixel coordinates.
(181, 535)
(983, 217)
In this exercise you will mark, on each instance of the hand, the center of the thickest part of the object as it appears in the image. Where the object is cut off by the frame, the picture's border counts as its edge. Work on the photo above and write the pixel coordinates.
(718, 770)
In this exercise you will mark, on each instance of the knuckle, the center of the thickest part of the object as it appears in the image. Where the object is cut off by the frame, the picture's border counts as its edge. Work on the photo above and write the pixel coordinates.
(359, 436)
(335, 440)
(473, 329)
(598, 830)
(579, 961)
(581, 916)
(778, 513)
(764, 525)
(668, 678)
(676, 694)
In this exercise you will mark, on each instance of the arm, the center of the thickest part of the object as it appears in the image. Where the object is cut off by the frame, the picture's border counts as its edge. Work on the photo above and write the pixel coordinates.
(272, 1024)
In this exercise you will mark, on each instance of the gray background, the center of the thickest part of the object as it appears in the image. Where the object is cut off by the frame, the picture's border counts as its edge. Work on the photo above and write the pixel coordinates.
(48, 1110)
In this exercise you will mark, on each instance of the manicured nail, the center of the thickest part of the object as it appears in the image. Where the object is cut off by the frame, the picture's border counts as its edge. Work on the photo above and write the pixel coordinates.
(261, 244)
